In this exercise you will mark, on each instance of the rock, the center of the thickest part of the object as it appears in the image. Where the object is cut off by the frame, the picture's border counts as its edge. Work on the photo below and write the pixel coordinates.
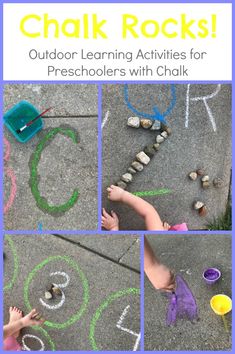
(198, 205)
(143, 158)
(200, 172)
(131, 170)
(56, 291)
(149, 150)
(203, 211)
(193, 176)
(205, 178)
(164, 134)
(146, 123)
(137, 166)
(127, 177)
(156, 146)
(38, 317)
(165, 128)
(205, 184)
(121, 184)
(156, 125)
(133, 122)
(48, 295)
(159, 139)
(218, 182)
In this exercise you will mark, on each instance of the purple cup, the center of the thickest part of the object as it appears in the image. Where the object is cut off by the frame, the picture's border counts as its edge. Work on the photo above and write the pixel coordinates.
(211, 275)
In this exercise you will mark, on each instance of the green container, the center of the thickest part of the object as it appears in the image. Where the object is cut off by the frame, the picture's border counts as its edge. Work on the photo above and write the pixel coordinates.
(18, 116)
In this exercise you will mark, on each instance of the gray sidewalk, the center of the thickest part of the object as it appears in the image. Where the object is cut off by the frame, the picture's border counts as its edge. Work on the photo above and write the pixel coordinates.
(188, 148)
(189, 256)
(99, 289)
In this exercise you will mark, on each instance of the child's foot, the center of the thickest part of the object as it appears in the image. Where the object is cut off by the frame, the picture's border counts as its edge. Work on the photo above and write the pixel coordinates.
(15, 315)
(110, 222)
(166, 226)
(115, 193)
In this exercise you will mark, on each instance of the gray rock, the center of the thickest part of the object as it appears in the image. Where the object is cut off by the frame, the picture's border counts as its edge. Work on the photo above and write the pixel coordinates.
(121, 184)
(146, 123)
(205, 178)
(156, 125)
(203, 211)
(156, 146)
(193, 176)
(143, 158)
(200, 172)
(205, 184)
(131, 170)
(164, 134)
(159, 139)
(48, 295)
(133, 122)
(137, 166)
(198, 205)
(218, 182)
(56, 291)
(166, 129)
(127, 177)
(149, 150)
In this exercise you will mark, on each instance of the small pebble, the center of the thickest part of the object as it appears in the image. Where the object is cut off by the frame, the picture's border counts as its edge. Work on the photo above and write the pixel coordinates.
(48, 295)
(56, 291)
(203, 211)
(149, 150)
(205, 178)
(164, 134)
(137, 166)
(143, 158)
(198, 205)
(127, 177)
(218, 182)
(200, 172)
(156, 125)
(38, 317)
(205, 184)
(146, 123)
(159, 139)
(133, 122)
(121, 184)
(131, 170)
(156, 146)
(193, 176)
(166, 129)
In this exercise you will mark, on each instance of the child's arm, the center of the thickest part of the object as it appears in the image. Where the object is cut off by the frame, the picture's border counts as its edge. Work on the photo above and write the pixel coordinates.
(143, 208)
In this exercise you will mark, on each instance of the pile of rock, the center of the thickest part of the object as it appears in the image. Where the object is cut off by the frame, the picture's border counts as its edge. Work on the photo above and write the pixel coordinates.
(52, 291)
(143, 157)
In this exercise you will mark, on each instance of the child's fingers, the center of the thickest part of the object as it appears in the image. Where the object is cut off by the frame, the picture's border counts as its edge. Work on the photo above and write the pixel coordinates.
(105, 213)
(114, 214)
(103, 218)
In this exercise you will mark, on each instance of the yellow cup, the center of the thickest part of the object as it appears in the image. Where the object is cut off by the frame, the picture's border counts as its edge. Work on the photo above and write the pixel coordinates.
(221, 304)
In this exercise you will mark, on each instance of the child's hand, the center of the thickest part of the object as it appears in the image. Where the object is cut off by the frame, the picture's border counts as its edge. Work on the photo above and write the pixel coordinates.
(30, 320)
(110, 222)
(115, 193)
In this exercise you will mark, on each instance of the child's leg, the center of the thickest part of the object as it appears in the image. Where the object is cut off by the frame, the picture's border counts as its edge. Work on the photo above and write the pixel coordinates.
(159, 275)
(143, 208)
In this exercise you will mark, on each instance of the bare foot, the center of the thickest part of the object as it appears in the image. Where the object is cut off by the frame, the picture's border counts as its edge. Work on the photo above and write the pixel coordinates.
(110, 222)
(15, 315)
(31, 319)
(115, 193)
(166, 226)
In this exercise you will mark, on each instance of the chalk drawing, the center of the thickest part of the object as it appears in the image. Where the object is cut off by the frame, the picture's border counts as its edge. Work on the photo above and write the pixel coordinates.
(64, 285)
(204, 100)
(153, 192)
(74, 318)
(104, 305)
(156, 115)
(11, 244)
(42, 203)
(25, 347)
(105, 120)
(40, 226)
(41, 331)
(119, 326)
(10, 174)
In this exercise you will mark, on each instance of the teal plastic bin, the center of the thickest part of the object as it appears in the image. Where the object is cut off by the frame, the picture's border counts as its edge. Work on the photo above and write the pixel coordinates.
(19, 115)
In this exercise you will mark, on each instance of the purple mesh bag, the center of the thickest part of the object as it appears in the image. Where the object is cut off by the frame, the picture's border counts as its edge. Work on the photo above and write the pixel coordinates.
(182, 303)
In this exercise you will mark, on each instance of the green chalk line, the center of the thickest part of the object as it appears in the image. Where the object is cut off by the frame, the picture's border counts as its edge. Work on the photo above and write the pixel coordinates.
(44, 332)
(16, 263)
(41, 202)
(152, 193)
(74, 318)
(102, 307)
